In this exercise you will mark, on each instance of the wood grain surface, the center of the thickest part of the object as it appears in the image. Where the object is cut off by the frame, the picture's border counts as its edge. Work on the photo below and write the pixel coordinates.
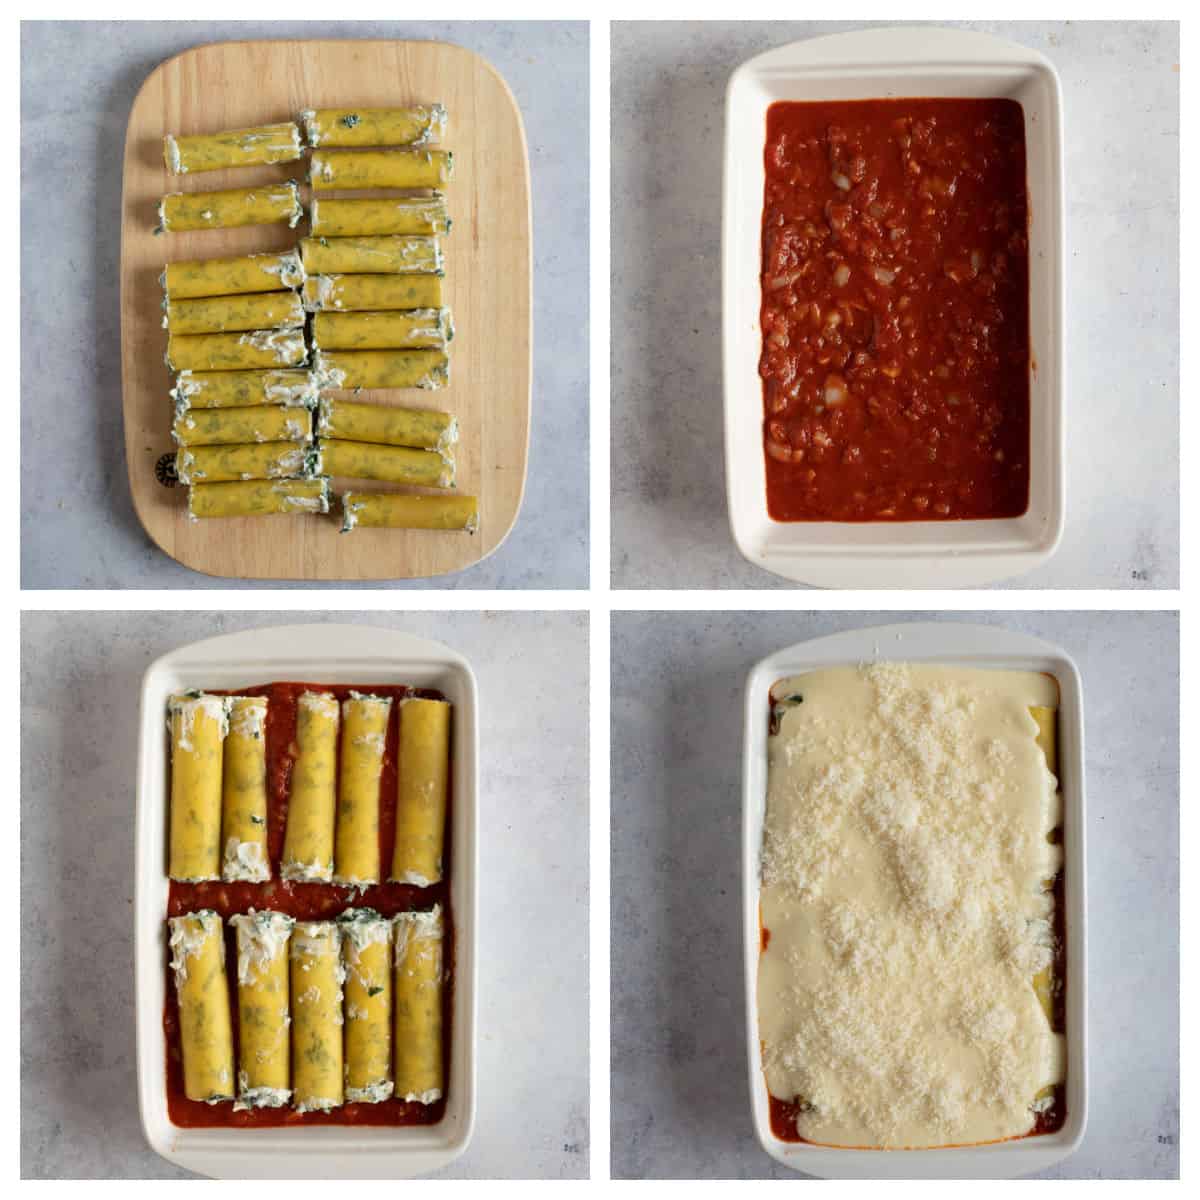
(488, 287)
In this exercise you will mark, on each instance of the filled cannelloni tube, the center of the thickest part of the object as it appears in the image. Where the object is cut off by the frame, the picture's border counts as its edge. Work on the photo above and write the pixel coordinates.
(364, 736)
(229, 314)
(244, 792)
(388, 255)
(385, 510)
(240, 389)
(232, 148)
(384, 424)
(233, 276)
(259, 460)
(268, 204)
(371, 218)
(205, 1027)
(367, 961)
(317, 977)
(236, 351)
(198, 723)
(391, 464)
(258, 498)
(264, 1011)
(308, 841)
(361, 169)
(415, 329)
(424, 767)
(412, 126)
(371, 293)
(240, 426)
(418, 1006)
(347, 369)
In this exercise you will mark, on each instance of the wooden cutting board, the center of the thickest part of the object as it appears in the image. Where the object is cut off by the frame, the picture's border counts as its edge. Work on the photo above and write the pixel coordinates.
(488, 279)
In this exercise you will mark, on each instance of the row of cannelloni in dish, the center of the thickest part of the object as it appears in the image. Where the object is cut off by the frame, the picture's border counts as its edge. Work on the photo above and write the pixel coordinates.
(327, 1012)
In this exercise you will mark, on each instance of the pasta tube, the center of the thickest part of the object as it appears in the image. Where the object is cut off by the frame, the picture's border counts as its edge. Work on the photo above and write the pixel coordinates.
(414, 126)
(364, 736)
(389, 255)
(220, 314)
(199, 723)
(375, 510)
(233, 276)
(233, 148)
(427, 369)
(205, 1027)
(236, 351)
(240, 389)
(260, 460)
(308, 842)
(392, 464)
(244, 792)
(424, 766)
(366, 959)
(264, 1014)
(370, 218)
(418, 1006)
(317, 978)
(258, 498)
(238, 426)
(355, 169)
(370, 293)
(415, 329)
(268, 204)
(387, 425)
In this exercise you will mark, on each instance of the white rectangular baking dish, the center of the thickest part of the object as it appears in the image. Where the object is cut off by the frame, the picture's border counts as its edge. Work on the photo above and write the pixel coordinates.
(959, 645)
(877, 64)
(307, 654)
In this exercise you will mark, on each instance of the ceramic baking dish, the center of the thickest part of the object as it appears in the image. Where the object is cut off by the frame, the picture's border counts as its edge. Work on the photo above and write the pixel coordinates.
(310, 654)
(957, 645)
(876, 64)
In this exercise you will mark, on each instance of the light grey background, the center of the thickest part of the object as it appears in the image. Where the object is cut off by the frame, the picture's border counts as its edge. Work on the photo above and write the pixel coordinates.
(78, 83)
(1121, 119)
(80, 676)
(680, 1095)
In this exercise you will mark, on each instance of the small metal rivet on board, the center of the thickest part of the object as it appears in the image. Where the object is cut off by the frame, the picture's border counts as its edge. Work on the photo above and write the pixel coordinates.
(164, 471)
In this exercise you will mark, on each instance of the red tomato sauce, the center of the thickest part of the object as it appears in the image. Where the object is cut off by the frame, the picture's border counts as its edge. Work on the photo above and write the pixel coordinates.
(307, 902)
(895, 310)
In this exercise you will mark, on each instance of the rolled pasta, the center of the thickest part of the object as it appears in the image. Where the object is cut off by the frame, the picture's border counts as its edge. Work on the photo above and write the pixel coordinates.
(198, 723)
(268, 204)
(236, 351)
(221, 314)
(355, 169)
(370, 293)
(389, 255)
(347, 369)
(239, 426)
(264, 1011)
(386, 510)
(240, 389)
(233, 276)
(371, 218)
(356, 841)
(258, 498)
(308, 841)
(424, 769)
(418, 1006)
(259, 460)
(415, 329)
(244, 793)
(233, 148)
(391, 464)
(205, 1027)
(367, 961)
(382, 423)
(413, 126)
(317, 977)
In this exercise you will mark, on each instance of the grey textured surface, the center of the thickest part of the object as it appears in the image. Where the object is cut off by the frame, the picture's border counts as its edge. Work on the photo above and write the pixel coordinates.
(80, 676)
(1121, 102)
(680, 1099)
(78, 527)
